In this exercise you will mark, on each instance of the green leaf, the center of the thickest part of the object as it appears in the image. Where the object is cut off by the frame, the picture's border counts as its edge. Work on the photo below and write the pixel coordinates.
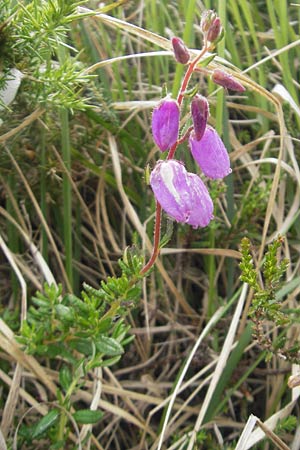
(45, 423)
(65, 377)
(64, 313)
(110, 362)
(60, 349)
(72, 300)
(204, 62)
(104, 325)
(87, 416)
(109, 346)
(83, 346)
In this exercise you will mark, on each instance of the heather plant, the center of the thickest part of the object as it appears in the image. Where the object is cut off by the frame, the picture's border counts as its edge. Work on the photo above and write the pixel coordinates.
(171, 343)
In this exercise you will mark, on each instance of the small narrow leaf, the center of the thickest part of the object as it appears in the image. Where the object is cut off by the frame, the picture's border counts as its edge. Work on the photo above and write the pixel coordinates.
(45, 423)
(87, 416)
(205, 61)
(65, 377)
(109, 346)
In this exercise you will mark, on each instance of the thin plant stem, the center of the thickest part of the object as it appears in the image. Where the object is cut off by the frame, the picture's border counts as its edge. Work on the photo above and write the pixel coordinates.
(67, 189)
(67, 193)
(180, 97)
(155, 250)
(43, 193)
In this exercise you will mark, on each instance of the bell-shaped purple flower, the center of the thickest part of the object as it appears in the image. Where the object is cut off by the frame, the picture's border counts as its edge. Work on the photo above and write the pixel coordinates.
(165, 123)
(182, 194)
(210, 154)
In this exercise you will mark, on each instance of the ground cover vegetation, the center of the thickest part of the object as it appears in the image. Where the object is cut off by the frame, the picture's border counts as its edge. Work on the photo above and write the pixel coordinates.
(149, 224)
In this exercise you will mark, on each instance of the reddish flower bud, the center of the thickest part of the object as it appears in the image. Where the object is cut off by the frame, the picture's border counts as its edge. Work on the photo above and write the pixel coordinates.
(210, 154)
(227, 81)
(207, 18)
(200, 112)
(214, 30)
(165, 123)
(182, 194)
(181, 52)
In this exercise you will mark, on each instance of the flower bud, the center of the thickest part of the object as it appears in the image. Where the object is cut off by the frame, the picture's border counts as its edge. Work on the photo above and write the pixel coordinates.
(182, 194)
(199, 112)
(226, 80)
(207, 18)
(210, 154)
(165, 123)
(181, 53)
(214, 30)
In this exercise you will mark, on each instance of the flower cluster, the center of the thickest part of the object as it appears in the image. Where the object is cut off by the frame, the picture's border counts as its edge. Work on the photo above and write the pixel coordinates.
(182, 194)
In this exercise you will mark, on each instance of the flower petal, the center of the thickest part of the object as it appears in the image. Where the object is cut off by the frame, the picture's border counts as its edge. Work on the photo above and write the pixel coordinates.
(165, 123)
(210, 154)
(181, 194)
(202, 206)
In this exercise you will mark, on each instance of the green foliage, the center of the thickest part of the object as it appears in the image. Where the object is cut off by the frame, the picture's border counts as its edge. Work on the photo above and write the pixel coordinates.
(84, 332)
(92, 325)
(86, 416)
(288, 424)
(71, 335)
(39, 28)
(35, 37)
(266, 307)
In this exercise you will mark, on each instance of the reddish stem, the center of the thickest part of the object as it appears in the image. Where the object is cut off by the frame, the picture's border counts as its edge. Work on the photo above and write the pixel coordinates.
(155, 250)
(180, 97)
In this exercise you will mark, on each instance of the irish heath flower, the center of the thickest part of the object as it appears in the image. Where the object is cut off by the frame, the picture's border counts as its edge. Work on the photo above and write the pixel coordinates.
(165, 123)
(210, 154)
(181, 194)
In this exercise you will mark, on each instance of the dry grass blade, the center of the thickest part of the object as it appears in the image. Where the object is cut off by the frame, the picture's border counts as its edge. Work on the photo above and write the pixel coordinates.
(16, 270)
(36, 254)
(221, 363)
(243, 443)
(11, 401)
(203, 251)
(42, 409)
(13, 396)
(270, 424)
(42, 219)
(2, 441)
(12, 348)
(214, 319)
(27, 121)
(130, 28)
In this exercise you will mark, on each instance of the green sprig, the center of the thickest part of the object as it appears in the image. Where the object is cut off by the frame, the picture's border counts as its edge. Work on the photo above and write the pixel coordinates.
(266, 307)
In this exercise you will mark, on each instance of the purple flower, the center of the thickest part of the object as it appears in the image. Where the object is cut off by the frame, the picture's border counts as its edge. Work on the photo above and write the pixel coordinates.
(210, 154)
(165, 123)
(199, 112)
(181, 194)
